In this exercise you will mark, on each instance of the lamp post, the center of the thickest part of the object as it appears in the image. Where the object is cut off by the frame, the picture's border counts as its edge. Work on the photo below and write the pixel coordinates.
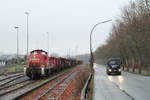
(17, 28)
(91, 52)
(27, 13)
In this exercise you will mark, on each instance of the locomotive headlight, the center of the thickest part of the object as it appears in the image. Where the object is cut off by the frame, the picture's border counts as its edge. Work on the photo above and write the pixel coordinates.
(25, 70)
(109, 70)
(42, 71)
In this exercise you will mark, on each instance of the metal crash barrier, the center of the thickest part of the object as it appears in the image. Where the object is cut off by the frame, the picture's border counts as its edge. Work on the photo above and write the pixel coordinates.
(84, 90)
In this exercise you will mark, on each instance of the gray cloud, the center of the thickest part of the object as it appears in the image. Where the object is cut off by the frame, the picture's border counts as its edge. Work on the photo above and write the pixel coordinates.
(68, 22)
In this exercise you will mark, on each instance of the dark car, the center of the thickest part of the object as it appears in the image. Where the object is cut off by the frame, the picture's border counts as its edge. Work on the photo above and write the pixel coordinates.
(113, 66)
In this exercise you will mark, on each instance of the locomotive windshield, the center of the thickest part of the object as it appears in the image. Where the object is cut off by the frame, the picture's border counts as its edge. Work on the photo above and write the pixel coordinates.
(34, 53)
(42, 53)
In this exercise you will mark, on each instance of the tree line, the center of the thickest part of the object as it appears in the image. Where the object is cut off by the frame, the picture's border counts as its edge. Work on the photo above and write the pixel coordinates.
(129, 37)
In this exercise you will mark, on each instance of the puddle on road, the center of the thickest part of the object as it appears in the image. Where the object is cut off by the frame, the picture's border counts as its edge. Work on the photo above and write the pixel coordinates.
(120, 79)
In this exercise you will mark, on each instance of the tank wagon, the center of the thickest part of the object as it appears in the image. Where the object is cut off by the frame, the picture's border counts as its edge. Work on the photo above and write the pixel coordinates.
(39, 64)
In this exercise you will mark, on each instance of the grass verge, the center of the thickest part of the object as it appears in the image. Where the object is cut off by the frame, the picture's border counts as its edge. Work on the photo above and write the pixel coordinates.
(16, 68)
(144, 73)
(81, 80)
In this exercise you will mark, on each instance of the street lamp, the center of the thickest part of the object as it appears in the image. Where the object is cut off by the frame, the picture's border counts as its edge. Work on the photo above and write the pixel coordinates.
(17, 28)
(27, 13)
(91, 53)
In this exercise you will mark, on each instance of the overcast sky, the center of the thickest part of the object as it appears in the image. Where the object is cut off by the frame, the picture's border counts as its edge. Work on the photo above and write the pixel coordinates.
(68, 22)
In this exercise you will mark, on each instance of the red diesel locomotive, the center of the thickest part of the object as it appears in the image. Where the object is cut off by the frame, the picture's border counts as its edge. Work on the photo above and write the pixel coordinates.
(39, 64)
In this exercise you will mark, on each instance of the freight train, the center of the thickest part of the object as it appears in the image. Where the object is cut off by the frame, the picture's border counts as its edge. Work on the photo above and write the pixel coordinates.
(40, 64)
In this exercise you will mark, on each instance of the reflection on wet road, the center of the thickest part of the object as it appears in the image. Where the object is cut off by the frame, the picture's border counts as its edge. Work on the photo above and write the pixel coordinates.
(120, 87)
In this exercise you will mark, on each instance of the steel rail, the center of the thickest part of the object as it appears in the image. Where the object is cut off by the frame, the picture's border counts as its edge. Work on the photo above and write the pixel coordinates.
(10, 77)
(56, 94)
(52, 87)
(15, 78)
(7, 86)
(40, 85)
(15, 89)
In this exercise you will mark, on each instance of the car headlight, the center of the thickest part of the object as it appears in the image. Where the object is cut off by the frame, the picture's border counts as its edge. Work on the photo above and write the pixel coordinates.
(109, 70)
(120, 70)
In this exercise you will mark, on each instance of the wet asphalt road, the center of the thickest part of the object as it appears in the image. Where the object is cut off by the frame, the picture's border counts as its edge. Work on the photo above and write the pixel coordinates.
(120, 87)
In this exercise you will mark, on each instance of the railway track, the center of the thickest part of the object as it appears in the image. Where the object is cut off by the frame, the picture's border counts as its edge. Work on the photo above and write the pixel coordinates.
(15, 88)
(57, 90)
(10, 79)
(55, 86)
(16, 84)
(10, 76)
(13, 84)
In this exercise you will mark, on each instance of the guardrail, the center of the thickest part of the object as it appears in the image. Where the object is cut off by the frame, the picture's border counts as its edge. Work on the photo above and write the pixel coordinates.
(84, 90)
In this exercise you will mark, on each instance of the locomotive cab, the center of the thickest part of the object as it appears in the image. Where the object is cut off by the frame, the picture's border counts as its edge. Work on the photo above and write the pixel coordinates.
(37, 64)
(37, 58)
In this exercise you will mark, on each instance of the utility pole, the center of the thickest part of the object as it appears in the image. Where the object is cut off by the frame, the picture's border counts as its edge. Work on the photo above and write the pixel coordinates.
(17, 28)
(76, 52)
(48, 42)
(69, 53)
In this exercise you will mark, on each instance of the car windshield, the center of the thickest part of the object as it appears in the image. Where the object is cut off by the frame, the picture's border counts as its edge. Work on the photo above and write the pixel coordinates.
(114, 62)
